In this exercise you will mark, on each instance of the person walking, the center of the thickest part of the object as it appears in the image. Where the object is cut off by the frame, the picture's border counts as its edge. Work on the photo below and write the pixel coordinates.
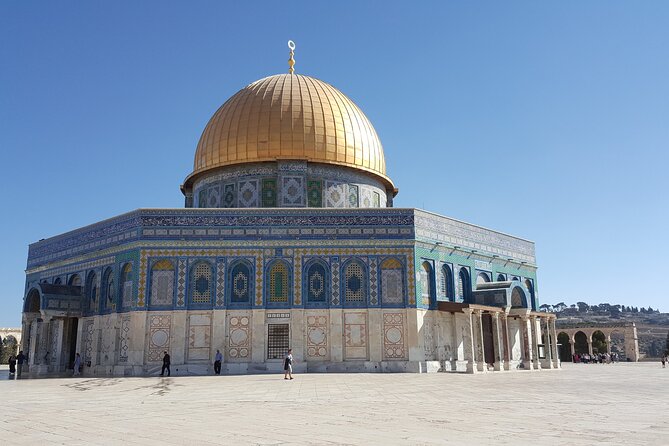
(217, 362)
(12, 365)
(77, 365)
(664, 361)
(288, 365)
(20, 360)
(166, 364)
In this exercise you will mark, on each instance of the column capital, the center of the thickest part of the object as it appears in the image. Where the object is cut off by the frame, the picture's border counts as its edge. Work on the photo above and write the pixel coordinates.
(468, 311)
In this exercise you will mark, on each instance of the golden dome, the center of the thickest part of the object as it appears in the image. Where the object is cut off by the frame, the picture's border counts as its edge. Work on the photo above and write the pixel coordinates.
(290, 117)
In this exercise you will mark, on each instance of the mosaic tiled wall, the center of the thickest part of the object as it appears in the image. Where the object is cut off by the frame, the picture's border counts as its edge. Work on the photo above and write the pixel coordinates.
(291, 184)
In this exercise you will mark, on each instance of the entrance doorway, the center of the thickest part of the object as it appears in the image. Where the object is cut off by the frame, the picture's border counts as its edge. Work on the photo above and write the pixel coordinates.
(488, 344)
(69, 342)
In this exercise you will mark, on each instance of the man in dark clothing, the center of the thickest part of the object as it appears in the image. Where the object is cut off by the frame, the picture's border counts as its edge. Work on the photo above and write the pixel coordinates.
(166, 365)
(20, 359)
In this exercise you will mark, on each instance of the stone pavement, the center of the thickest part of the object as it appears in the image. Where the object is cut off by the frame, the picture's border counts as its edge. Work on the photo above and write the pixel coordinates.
(578, 405)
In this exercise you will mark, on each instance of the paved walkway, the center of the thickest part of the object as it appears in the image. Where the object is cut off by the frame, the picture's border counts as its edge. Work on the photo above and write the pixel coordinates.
(581, 404)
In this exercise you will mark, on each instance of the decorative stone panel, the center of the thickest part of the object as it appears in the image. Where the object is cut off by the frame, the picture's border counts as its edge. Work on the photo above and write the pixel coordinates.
(394, 338)
(317, 337)
(355, 335)
(159, 336)
(199, 337)
(239, 337)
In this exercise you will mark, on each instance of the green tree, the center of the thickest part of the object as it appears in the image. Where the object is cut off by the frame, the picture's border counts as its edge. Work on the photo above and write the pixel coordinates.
(7, 348)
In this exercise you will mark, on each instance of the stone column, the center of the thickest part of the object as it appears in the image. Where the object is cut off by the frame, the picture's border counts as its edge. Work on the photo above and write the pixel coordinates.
(554, 347)
(589, 339)
(505, 339)
(33, 346)
(572, 345)
(478, 342)
(546, 363)
(631, 343)
(536, 361)
(525, 341)
(56, 344)
(468, 340)
(608, 344)
(498, 344)
(43, 347)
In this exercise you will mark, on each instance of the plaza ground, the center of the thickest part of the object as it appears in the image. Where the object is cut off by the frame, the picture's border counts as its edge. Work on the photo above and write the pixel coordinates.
(580, 404)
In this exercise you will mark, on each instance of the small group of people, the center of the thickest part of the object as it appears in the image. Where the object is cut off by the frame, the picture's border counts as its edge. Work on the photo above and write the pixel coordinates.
(218, 360)
(597, 358)
(16, 364)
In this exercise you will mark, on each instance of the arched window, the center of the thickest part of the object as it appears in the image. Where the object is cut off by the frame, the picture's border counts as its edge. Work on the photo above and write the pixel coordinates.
(279, 283)
(392, 282)
(515, 278)
(92, 290)
(75, 280)
(482, 278)
(162, 283)
(240, 283)
(464, 286)
(108, 289)
(530, 289)
(58, 281)
(126, 285)
(501, 278)
(426, 283)
(32, 302)
(447, 283)
(201, 286)
(518, 299)
(317, 283)
(355, 280)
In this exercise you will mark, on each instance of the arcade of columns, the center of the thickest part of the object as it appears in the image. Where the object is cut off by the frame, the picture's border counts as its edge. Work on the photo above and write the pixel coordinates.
(628, 331)
(507, 326)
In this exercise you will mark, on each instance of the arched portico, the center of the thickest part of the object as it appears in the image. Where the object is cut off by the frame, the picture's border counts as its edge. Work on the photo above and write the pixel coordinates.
(606, 334)
(49, 326)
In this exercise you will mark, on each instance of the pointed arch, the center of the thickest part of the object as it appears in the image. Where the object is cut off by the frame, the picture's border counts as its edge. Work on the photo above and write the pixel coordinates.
(501, 277)
(355, 284)
(464, 284)
(392, 282)
(162, 283)
(108, 290)
(316, 283)
(240, 283)
(74, 280)
(92, 292)
(278, 286)
(125, 286)
(447, 283)
(32, 303)
(201, 284)
(482, 277)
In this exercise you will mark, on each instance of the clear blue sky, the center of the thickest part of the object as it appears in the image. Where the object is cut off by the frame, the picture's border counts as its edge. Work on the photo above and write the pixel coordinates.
(549, 121)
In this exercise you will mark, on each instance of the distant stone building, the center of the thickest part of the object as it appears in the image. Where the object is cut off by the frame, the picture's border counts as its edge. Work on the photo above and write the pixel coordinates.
(288, 239)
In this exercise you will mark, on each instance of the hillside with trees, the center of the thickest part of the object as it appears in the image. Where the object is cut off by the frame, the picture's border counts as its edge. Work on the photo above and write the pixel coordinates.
(652, 326)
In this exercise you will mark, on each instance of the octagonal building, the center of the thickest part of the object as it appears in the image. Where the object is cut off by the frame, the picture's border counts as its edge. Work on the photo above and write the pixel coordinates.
(288, 239)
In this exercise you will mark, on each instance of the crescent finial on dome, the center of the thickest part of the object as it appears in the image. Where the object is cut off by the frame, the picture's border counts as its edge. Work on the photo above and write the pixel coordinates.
(291, 61)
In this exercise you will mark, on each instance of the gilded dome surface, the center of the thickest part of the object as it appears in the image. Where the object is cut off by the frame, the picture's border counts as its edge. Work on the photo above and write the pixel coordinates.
(290, 117)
